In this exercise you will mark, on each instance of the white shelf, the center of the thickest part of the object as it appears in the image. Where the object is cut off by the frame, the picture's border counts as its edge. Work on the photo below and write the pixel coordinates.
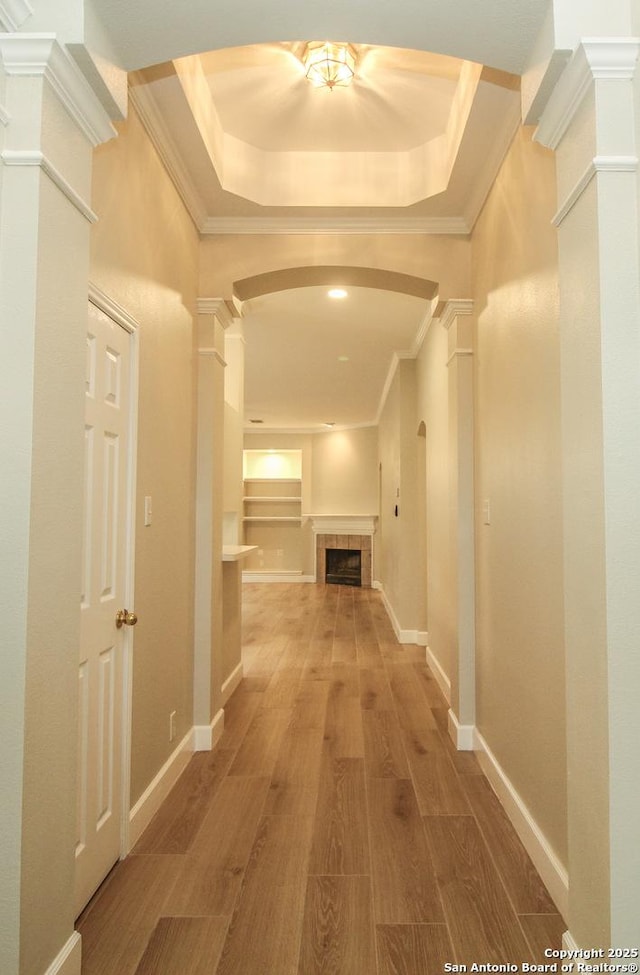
(264, 497)
(271, 480)
(293, 518)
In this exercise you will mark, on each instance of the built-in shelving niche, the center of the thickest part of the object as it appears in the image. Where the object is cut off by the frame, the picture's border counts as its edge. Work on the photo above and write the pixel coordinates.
(272, 510)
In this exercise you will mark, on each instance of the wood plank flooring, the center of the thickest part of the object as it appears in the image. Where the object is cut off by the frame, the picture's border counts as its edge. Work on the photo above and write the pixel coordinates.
(334, 830)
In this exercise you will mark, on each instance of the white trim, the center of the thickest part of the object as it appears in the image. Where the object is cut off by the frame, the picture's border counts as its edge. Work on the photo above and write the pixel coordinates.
(14, 13)
(224, 310)
(294, 576)
(112, 309)
(402, 636)
(462, 735)
(546, 862)
(40, 55)
(596, 58)
(439, 673)
(335, 225)
(68, 960)
(159, 788)
(459, 353)
(214, 354)
(34, 157)
(343, 524)
(569, 943)
(168, 153)
(5, 118)
(232, 681)
(453, 308)
(599, 164)
(423, 638)
(206, 736)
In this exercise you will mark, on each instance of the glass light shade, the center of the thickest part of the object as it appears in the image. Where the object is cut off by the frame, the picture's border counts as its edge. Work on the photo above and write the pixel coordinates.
(328, 65)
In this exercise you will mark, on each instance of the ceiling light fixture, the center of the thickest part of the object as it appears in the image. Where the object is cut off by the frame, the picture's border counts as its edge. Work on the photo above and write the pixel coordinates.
(337, 293)
(327, 65)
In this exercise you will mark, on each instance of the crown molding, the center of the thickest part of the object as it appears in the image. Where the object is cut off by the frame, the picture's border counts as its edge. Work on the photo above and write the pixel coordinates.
(35, 158)
(40, 55)
(14, 13)
(151, 117)
(335, 225)
(453, 308)
(597, 58)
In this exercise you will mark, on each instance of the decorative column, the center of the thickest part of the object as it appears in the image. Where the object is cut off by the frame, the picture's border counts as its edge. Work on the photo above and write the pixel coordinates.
(591, 122)
(208, 717)
(456, 318)
(50, 122)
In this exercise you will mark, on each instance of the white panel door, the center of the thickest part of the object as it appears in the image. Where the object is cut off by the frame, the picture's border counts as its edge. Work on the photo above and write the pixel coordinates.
(100, 674)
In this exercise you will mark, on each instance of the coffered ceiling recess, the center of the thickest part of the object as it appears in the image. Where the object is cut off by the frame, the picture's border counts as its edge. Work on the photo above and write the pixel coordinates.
(247, 136)
(389, 140)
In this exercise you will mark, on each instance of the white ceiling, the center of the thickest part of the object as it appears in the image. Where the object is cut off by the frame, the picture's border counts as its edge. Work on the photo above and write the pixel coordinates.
(247, 92)
(312, 359)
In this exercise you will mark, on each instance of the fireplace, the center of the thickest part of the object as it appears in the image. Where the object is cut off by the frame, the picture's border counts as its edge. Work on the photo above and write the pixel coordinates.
(343, 566)
(350, 536)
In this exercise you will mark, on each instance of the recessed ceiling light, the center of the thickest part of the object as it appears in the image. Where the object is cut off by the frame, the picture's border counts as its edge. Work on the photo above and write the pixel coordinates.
(337, 293)
(330, 424)
(343, 358)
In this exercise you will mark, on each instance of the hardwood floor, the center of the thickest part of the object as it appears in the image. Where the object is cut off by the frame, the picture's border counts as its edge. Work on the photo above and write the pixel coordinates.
(334, 830)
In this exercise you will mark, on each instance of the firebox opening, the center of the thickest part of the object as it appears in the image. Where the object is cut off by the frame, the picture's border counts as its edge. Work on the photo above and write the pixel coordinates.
(343, 567)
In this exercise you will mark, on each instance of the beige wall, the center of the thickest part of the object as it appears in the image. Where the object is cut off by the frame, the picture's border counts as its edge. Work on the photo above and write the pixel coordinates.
(145, 256)
(432, 394)
(519, 560)
(398, 550)
(344, 476)
(229, 258)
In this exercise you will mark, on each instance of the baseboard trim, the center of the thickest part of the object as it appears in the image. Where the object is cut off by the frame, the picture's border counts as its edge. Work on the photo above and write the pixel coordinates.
(546, 862)
(159, 788)
(462, 735)
(439, 674)
(402, 636)
(206, 736)
(568, 942)
(423, 638)
(68, 960)
(232, 682)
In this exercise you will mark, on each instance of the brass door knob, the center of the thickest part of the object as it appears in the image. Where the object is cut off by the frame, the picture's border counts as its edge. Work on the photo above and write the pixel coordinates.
(125, 618)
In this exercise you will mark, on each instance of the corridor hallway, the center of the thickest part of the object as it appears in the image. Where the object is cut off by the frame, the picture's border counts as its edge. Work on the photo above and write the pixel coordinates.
(334, 829)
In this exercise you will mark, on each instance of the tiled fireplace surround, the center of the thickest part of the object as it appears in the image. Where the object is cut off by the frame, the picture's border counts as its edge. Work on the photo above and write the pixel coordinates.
(343, 533)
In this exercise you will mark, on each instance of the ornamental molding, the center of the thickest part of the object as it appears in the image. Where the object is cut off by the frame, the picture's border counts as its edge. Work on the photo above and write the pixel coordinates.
(40, 55)
(156, 128)
(5, 118)
(343, 524)
(596, 59)
(211, 353)
(599, 164)
(224, 309)
(112, 309)
(13, 14)
(453, 308)
(35, 158)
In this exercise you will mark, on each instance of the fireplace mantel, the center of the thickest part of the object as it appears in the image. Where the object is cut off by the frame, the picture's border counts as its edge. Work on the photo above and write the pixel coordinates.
(343, 524)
